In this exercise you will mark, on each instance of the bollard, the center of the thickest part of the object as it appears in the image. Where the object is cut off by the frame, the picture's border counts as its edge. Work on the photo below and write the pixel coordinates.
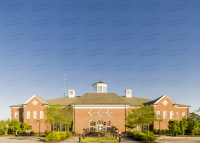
(83, 136)
(116, 136)
(113, 135)
(79, 137)
(119, 137)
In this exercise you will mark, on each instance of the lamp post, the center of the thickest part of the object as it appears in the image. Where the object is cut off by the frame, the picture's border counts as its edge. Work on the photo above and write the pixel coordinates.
(39, 127)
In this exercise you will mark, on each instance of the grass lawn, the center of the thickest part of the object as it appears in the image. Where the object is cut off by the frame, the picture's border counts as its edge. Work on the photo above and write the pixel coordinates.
(101, 139)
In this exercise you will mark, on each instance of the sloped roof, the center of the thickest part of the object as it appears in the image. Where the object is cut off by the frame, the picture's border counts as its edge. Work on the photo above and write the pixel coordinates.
(136, 100)
(19, 105)
(62, 101)
(45, 101)
(100, 98)
(181, 105)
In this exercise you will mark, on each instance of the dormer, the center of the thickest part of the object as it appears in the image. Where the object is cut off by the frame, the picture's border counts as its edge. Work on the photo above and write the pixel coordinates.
(100, 87)
(72, 93)
(128, 93)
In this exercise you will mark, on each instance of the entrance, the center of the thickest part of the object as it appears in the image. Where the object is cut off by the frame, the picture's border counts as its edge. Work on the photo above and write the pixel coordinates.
(100, 125)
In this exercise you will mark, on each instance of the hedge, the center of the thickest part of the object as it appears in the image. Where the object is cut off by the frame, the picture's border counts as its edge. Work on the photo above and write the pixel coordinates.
(57, 135)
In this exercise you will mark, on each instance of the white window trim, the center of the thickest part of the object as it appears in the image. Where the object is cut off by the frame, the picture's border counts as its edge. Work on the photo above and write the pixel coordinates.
(16, 114)
(41, 115)
(158, 114)
(172, 117)
(177, 115)
(183, 114)
(28, 114)
(164, 117)
(92, 125)
(34, 114)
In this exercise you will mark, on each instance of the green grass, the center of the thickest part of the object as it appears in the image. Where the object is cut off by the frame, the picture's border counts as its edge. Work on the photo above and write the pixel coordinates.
(101, 139)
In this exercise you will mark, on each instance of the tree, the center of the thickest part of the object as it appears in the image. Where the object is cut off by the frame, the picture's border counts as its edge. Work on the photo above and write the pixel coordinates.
(148, 115)
(51, 114)
(15, 125)
(194, 117)
(133, 118)
(144, 115)
(2, 126)
(173, 126)
(68, 117)
(183, 125)
(26, 126)
(193, 126)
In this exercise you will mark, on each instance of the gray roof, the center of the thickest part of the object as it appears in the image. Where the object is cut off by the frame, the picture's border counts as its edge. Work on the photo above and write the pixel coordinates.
(100, 98)
(19, 105)
(45, 101)
(136, 100)
(62, 101)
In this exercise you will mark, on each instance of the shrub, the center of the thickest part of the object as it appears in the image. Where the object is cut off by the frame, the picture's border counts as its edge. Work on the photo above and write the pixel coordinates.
(159, 131)
(73, 132)
(143, 136)
(51, 137)
(146, 132)
(151, 138)
(63, 134)
(33, 132)
(163, 132)
(155, 131)
(166, 131)
(136, 134)
(69, 134)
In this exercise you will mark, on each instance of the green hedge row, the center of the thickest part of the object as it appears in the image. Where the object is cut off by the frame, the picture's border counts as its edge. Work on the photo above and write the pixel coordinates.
(143, 135)
(57, 135)
(163, 132)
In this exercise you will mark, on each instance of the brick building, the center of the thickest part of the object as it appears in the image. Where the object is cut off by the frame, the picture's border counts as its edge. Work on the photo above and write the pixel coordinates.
(98, 111)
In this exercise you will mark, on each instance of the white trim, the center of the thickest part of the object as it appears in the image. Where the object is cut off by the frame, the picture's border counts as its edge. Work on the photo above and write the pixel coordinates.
(32, 98)
(163, 97)
(41, 115)
(182, 107)
(17, 107)
(28, 117)
(100, 107)
(34, 114)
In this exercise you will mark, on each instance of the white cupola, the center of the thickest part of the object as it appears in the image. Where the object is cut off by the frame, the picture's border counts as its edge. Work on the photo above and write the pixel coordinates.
(100, 87)
(128, 93)
(72, 93)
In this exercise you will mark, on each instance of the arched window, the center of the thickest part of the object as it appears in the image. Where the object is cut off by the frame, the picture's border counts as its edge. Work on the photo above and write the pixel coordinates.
(91, 126)
(109, 126)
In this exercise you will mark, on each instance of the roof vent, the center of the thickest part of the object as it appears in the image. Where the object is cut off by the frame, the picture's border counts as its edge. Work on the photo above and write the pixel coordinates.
(128, 93)
(71, 93)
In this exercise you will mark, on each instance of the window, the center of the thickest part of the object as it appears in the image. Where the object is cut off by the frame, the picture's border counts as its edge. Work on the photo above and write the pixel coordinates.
(108, 126)
(34, 114)
(99, 89)
(100, 112)
(108, 112)
(128, 92)
(55, 128)
(91, 113)
(183, 114)
(177, 115)
(16, 114)
(164, 114)
(71, 92)
(158, 114)
(91, 126)
(28, 115)
(41, 114)
(138, 128)
(104, 89)
(171, 115)
(144, 127)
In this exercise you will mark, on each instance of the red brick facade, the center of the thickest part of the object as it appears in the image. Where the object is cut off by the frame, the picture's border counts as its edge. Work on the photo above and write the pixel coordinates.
(82, 116)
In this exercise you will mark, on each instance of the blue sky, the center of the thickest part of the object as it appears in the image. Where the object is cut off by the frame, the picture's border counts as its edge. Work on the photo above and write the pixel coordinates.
(151, 47)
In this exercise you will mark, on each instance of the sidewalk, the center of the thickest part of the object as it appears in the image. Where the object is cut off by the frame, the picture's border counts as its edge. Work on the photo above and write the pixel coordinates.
(71, 140)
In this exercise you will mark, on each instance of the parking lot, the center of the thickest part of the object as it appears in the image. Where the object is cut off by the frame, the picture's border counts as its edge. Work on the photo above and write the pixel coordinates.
(21, 139)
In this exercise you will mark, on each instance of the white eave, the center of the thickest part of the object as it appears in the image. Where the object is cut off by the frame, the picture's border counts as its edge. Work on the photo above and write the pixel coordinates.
(163, 97)
(32, 98)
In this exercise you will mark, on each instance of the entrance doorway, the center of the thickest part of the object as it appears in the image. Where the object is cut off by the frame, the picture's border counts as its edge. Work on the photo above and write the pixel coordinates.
(100, 125)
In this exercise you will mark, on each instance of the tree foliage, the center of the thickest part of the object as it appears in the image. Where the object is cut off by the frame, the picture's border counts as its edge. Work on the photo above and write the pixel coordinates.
(15, 125)
(144, 115)
(183, 125)
(173, 126)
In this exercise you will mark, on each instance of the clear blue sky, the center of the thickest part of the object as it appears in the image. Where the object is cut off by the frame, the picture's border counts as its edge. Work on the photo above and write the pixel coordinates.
(151, 47)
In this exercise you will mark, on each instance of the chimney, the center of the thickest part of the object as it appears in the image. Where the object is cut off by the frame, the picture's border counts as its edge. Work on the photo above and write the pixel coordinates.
(128, 93)
(72, 93)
